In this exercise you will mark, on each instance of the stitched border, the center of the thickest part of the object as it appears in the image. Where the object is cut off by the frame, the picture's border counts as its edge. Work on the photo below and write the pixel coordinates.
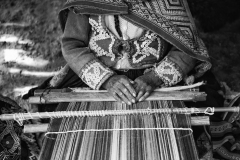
(169, 72)
(94, 74)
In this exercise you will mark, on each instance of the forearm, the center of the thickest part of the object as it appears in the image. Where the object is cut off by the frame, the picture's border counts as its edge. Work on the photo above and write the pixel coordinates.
(78, 55)
(173, 68)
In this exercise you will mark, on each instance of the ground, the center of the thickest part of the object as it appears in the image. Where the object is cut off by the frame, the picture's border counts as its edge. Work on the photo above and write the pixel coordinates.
(30, 48)
(29, 41)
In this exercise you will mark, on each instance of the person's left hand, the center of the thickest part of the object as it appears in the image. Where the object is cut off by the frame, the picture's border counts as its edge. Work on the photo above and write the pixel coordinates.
(145, 85)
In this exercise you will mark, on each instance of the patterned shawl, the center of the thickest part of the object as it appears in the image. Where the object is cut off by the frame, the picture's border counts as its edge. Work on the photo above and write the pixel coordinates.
(170, 19)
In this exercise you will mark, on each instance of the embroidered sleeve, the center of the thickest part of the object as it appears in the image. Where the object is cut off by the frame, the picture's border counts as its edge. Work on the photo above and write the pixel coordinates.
(169, 72)
(94, 73)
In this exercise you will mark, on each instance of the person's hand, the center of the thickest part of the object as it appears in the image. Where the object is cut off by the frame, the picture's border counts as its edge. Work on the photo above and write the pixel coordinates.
(145, 85)
(121, 89)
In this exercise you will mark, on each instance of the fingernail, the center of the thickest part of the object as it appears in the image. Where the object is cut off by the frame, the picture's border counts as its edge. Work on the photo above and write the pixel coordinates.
(129, 103)
(134, 94)
(133, 101)
(140, 100)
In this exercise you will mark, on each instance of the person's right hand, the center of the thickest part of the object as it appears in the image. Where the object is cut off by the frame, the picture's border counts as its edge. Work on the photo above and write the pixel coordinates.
(121, 89)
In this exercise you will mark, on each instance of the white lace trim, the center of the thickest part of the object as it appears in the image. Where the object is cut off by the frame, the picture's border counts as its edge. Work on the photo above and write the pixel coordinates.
(169, 72)
(99, 33)
(145, 50)
(94, 74)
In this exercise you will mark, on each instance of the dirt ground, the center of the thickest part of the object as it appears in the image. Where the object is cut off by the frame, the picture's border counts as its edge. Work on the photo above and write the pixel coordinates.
(30, 48)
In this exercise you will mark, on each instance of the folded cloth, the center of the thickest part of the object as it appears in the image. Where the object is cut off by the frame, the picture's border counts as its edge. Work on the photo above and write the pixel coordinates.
(14, 144)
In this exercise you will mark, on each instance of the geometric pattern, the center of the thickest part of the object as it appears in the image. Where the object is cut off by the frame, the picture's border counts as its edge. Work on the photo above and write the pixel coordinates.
(170, 19)
(104, 43)
(169, 72)
(99, 34)
(94, 74)
(12, 139)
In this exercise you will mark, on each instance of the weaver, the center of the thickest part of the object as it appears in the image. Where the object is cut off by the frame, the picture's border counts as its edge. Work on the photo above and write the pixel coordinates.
(129, 48)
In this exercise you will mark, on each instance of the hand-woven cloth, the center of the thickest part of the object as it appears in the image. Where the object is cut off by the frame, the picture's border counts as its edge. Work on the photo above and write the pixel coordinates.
(169, 19)
(14, 144)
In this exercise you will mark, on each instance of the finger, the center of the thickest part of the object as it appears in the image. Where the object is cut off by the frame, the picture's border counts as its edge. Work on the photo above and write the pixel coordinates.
(123, 97)
(129, 86)
(140, 94)
(137, 88)
(131, 89)
(116, 97)
(132, 82)
(148, 91)
(128, 94)
(144, 96)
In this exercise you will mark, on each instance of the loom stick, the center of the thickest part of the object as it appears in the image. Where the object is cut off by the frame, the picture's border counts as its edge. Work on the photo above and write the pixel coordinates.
(105, 96)
(193, 87)
(94, 113)
(166, 89)
(200, 121)
(36, 128)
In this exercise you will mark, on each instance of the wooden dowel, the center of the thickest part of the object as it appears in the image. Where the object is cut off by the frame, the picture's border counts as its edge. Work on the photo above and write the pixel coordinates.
(200, 121)
(105, 96)
(232, 95)
(40, 92)
(193, 87)
(37, 128)
(60, 114)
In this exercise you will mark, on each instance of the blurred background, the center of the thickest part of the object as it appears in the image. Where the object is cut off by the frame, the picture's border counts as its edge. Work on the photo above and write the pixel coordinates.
(30, 50)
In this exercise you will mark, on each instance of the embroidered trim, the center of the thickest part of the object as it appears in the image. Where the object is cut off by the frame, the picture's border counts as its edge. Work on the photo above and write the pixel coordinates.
(142, 46)
(58, 78)
(145, 50)
(169, 72)
(226, 154)
(94, 74)
(11, 134)
(99, 33)
(183, 33)
(170, 19)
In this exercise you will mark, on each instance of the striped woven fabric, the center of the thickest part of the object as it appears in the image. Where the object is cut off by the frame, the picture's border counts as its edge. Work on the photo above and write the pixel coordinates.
(153, 136)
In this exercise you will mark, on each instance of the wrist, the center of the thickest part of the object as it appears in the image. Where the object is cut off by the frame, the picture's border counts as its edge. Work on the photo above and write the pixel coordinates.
(107, 82)
(153, 79)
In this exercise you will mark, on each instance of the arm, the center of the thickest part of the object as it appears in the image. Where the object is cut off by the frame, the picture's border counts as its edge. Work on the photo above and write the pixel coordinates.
(77, 54)
(171, 70)
(86, 65)
(174, 67)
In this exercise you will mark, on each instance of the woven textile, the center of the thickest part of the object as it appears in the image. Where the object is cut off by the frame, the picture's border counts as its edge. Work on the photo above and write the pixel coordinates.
(170, 19)
(126, 144)
(14, 144)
